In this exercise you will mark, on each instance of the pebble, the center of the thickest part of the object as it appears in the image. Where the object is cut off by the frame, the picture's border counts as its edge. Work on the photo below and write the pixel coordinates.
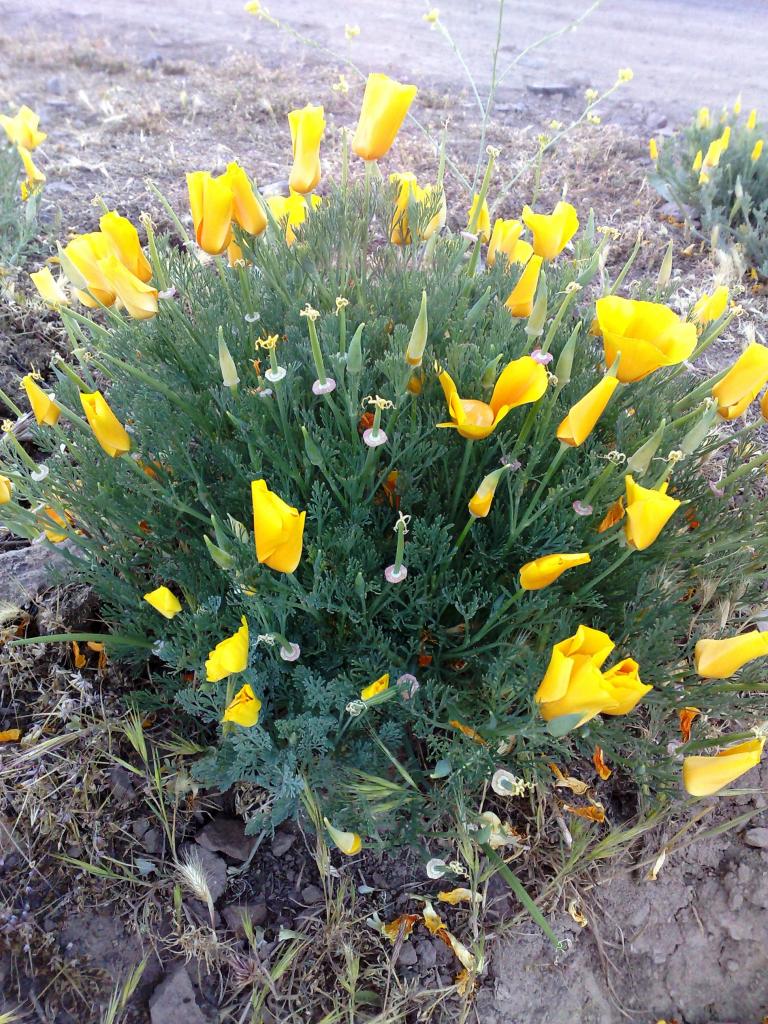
(235, 912)
(757, 837)
(407, 956)
(282, 843)
(427, 954)
(173, 1001)
(312, 894)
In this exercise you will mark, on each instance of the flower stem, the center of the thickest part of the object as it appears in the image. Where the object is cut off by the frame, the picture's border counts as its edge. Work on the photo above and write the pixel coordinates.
(460, 479)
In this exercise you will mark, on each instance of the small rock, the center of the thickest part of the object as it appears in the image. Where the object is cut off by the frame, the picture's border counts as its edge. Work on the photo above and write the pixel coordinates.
(282, 843)
(407, 956)
(427, 955)
(215, 868)
(552, 88)
(152, 840)
(757, 837)
(227, 836)
(25, 572)
(173, 1001)
(121, 781)
(55, 85)
(312, 894)
(256, 913)
(139, 826)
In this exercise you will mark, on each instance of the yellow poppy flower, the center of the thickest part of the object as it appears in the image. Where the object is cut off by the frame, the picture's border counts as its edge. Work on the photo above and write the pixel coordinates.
(125, 241)
(409, 191)
(581, 418)
(109, 432)
(230, 656)
(22, 129)
(385, 105)
(244, 708)
(743, 382)
(626, 686)
(543, 571)
(81, 261)
(164, 601)
(573, 682)
(648, 512)
(481, 501)
(711, 307)
(719, 659)
(703, 776)
(45, 409)
(54, 536)
(211, 203)
(34, 176)
(522, 381)
(520, 299)
(247, 211)
(49, 288)
(757, 151)
(551, 232)
(752, 120)
(505, 240)
(6, 490)
(647, 334)
(291, 211)
(653, 150)
(139, 299)
(307, 128)
(377, 686)
(278, 529)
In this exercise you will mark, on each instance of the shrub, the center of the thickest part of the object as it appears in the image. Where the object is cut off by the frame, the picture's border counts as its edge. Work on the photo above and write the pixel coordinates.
(20, 183)
(715, 171)
(334, 584)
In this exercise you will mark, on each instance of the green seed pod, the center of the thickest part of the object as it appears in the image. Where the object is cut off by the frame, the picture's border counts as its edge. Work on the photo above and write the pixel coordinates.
(355, 353)
(665, 270)
(227, 364)
(535, 324)
(360, 587)
(698, 432)
(314, 454)
(564, 363)
(488, 378)
(639, 463)
(476, 311)
(220, 557)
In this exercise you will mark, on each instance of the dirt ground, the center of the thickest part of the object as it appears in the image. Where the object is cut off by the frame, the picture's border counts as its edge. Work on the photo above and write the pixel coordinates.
(137, 90)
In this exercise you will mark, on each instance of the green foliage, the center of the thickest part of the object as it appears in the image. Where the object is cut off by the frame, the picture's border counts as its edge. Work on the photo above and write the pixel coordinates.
(728, 201)
(18, 219)
(477, 645)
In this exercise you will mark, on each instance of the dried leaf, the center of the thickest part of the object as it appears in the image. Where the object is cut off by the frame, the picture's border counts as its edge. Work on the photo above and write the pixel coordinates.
(687, 716)
(465, 983)
(79, 658)
(614, 515)
(401, 926)
(574, 909)
(658, 864)
(467, 959)
(576, 786)
(594, 813)
(601, 767)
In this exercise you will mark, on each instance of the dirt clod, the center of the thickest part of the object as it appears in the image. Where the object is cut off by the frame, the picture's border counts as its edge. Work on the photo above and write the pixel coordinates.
(173, 1001)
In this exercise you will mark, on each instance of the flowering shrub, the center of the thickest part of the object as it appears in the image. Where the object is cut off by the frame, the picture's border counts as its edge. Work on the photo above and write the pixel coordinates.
(20, 182)
(398, 509)
(715, 171)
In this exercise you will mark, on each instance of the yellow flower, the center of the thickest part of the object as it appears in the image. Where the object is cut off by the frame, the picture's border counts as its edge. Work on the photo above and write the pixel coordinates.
(109, 432)
(348, 842)
(711, 159)
(551, 232)
(244, 708)
(230, 656)
(377, 686)
(139, 299)
(581, 418)
(307, 129)
(482, 226)
(409, 191)
(505, 239)
(573, 683)
(53, 535)
(6, 490)
(703, 117)
(254, 7)
(211, 203)
(481, 501)
(647, 334)
(626, 686)
(648, 512)
(385, 104)
(719, 659)
(703, 776)
(752, 120)
(81, 261)
(725, 138)
(278, 528)
(520, 299)
(49, 288)
(743, 381)
(22, 129)
(653, 149)
(757, 151)
(542, 571)
(626, 74)
(246, 208)
(522, 381)
(125, 241)
(45, 409)
(710, 307)
(698, 160)
(737, 105)
(291, 211)
(164, 601)
(35, 176)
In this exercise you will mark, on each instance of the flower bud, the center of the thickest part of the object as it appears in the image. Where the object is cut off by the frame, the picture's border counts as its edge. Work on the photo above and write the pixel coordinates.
(535, 325)
(476, 311)
(489, 374)
(355, 353)
(639, 463)
(360, 586)
(564, 363)
(227, 364)
(697, 433)
(665, 270)
(220, 557)
(314, 454)
(415, 351)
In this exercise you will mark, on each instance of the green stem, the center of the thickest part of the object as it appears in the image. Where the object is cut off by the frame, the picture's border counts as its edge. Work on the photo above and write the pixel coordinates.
(460, 479)
(519, 890)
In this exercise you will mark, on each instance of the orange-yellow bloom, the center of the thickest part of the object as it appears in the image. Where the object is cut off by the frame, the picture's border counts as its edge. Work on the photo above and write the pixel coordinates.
(247, 211)
(53, 535)
(139, 299)
(647, 334)
(307, 129)
(291, 211)
(409, 191)
(22, 129)
(551, 232)
(522, 381)
(377, 686)
(230, 656)
(505, 240)
(648, 512)
(581, 418)
(34, 176)
(125, 241)
(653, 149)
(43, 406)
(482, 227)
(385, 104)
(752, 120)
(573, 683)
(719, 659)
(542, 571)
(625, 686)
(110, 433)
(49, 288)
(757, 151)
(703, 776)
(743, 381)
(520, 299)
(81, 261)
(710, 307)
(244, 708)
(6, 490)
(481, 501)
(164, 601)
(278, 529)
(211, 202)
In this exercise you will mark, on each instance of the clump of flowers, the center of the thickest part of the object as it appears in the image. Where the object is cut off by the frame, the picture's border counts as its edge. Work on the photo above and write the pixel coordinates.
(715, 170)
(329, 442)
